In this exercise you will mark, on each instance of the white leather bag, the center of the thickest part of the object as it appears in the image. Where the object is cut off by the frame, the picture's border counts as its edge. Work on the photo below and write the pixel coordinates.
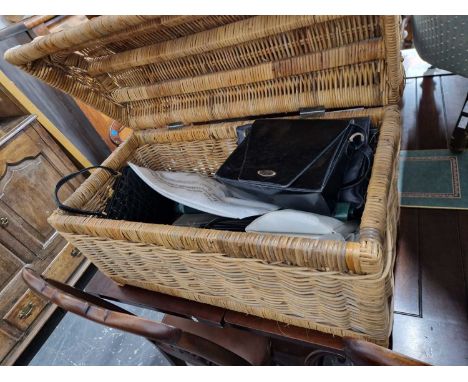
(305, 224)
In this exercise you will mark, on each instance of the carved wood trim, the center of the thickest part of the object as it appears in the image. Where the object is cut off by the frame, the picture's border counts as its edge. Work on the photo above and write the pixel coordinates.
(15, 152)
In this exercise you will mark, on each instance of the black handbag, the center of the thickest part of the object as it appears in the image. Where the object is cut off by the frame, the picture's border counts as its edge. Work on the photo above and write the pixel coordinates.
(298, 164)
(356, 177)
(130, 199)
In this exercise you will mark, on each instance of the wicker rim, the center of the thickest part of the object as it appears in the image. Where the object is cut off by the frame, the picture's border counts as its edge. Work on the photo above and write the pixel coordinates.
(364, 257)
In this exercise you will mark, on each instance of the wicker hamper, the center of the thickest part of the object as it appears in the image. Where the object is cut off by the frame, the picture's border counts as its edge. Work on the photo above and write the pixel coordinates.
(211, 74)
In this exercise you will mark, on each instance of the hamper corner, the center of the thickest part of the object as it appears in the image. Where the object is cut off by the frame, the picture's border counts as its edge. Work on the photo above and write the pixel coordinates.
(364, 257)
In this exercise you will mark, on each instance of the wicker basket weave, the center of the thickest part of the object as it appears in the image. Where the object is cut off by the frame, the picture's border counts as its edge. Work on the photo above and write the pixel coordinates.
(150, 71)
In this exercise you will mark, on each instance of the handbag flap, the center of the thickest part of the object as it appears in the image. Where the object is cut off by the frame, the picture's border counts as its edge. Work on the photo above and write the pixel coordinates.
(152, 71)
(278, 152)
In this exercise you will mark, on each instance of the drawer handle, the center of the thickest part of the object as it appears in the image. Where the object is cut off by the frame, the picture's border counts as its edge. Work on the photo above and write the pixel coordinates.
(26, 311)
(75, 252)
(3, 221)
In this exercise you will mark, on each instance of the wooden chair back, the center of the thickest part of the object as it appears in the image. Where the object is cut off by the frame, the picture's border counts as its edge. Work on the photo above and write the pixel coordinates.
(197, 349)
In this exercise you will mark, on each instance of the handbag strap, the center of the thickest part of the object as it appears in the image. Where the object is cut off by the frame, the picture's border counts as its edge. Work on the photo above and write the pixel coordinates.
(67, 178)
(365, 150)
(368, 165)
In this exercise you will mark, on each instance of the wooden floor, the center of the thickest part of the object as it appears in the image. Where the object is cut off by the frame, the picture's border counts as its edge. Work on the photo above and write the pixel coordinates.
(431, 290)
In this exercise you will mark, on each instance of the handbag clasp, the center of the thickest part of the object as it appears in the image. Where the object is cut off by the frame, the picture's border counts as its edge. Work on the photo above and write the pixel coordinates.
(266, 173)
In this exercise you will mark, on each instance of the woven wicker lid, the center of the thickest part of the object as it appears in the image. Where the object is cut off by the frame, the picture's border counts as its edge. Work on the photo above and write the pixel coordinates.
(151, 71)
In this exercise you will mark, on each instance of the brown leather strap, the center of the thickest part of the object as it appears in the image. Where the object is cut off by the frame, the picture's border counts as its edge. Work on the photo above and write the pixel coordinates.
(364, 353)
(106, 313)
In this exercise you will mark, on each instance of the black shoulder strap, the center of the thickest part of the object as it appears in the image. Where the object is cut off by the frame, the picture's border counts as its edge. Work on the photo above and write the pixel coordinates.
(68, 177)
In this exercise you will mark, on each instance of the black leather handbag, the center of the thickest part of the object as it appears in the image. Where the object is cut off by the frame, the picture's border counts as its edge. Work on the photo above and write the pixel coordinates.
(299, 164)
(360, 156)
(130, 199)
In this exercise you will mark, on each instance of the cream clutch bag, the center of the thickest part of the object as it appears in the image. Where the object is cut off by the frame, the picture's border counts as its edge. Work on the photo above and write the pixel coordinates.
(305, 224)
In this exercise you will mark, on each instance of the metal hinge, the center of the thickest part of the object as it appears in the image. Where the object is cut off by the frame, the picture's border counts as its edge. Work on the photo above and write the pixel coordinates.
(175, 125)
(307, 112)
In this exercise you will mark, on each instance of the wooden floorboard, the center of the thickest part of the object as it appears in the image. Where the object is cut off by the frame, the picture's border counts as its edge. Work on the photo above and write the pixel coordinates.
(431, 341)
(463, 232)
(431, 292)
(431, 127)
(407, 269)
(409, 113)
(443, 285)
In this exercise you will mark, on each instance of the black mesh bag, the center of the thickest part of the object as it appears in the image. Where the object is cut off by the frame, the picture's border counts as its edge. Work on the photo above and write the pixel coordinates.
(130, 199)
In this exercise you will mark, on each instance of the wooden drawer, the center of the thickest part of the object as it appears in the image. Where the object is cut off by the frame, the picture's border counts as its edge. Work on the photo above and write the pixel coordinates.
(25, 311)
(29, 306)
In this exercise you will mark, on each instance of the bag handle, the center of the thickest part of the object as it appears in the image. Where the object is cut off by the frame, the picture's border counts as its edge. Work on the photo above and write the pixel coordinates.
(368, 162)
(67, 178)
(362, 148)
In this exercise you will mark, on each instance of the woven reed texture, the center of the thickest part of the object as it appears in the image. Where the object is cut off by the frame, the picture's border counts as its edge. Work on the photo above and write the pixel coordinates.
(203, 149)
(151, 71)
(346, 306)
(304, 282)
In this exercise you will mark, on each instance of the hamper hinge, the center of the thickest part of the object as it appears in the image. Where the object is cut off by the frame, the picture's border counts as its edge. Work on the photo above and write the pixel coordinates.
(306, 112)
(175, 125)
